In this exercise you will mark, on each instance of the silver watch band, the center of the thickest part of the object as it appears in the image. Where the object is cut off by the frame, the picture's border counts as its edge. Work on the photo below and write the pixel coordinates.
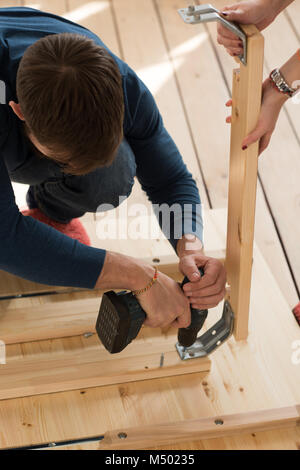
(278, 79)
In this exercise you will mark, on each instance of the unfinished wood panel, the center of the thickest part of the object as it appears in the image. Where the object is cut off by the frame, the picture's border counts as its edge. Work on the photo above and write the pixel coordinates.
(259, 373)
(87, 364)
(172, 434)
(281, 439)
(286, 439)
(206, 428)
(246, 101)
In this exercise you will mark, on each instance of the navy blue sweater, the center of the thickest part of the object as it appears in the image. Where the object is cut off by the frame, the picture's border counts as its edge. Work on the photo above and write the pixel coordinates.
(35, 251)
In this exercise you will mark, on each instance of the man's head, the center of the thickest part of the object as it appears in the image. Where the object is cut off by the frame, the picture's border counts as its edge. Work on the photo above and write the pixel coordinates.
(71, 99)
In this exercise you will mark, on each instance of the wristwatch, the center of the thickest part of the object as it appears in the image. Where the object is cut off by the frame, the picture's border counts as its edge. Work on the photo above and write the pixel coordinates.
(279, 81)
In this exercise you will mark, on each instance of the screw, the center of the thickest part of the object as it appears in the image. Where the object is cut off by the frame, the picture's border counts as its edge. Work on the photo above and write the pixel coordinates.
(122, 435)
(191, 8)
(88, 335)
(162, 358)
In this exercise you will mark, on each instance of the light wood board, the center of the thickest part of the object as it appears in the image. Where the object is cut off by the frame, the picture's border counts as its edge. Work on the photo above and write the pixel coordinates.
(246, 102)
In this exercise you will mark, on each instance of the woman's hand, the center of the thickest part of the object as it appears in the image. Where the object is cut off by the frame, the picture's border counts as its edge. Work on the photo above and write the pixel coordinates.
(272, 102)
(261, 13)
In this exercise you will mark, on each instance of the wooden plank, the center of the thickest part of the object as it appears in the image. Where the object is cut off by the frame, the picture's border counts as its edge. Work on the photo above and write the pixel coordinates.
(205, 428)
(170, 434)
(246, 101)
(55, 369)
(284, 439)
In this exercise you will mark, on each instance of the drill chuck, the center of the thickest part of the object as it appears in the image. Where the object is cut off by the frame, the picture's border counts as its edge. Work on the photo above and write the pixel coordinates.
(187, 336)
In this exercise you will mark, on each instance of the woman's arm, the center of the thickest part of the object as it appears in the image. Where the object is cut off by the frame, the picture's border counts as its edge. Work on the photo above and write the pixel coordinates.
(272, 102)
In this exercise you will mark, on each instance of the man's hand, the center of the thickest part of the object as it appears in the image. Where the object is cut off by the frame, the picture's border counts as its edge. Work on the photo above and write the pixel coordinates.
(206, 291)
(209, 290)
(165, 304)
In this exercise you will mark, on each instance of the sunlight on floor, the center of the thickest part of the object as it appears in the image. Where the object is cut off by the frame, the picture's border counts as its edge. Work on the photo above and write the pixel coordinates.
(189, 45)
(85, 11)
(37, 6)
(155, 76)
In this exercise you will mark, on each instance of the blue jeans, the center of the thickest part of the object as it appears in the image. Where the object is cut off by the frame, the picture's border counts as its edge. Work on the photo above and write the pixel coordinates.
(64, 197)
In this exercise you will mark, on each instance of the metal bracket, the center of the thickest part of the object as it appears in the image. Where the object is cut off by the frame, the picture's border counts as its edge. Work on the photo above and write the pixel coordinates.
(195, 14)
(212, 338)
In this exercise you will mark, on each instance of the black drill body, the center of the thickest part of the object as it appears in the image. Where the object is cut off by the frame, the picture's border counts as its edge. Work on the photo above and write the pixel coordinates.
(121, 318)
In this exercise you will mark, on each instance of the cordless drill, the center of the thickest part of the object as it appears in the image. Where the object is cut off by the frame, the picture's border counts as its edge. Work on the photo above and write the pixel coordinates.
(121, 318)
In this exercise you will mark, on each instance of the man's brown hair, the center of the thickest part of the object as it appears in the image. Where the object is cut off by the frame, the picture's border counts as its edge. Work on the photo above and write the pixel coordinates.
(70, 93)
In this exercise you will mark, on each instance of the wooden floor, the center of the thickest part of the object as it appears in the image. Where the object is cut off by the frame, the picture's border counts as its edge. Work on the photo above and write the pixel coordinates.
(190, 76)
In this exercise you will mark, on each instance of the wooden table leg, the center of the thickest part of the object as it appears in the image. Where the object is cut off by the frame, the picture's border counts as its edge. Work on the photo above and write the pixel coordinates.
(246, 96)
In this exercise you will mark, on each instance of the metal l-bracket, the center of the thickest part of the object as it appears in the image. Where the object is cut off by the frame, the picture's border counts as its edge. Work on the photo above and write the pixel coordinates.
(212, 338)
(195, 14)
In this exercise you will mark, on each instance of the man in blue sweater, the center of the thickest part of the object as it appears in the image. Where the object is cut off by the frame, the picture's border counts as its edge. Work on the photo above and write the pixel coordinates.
(78, 125)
